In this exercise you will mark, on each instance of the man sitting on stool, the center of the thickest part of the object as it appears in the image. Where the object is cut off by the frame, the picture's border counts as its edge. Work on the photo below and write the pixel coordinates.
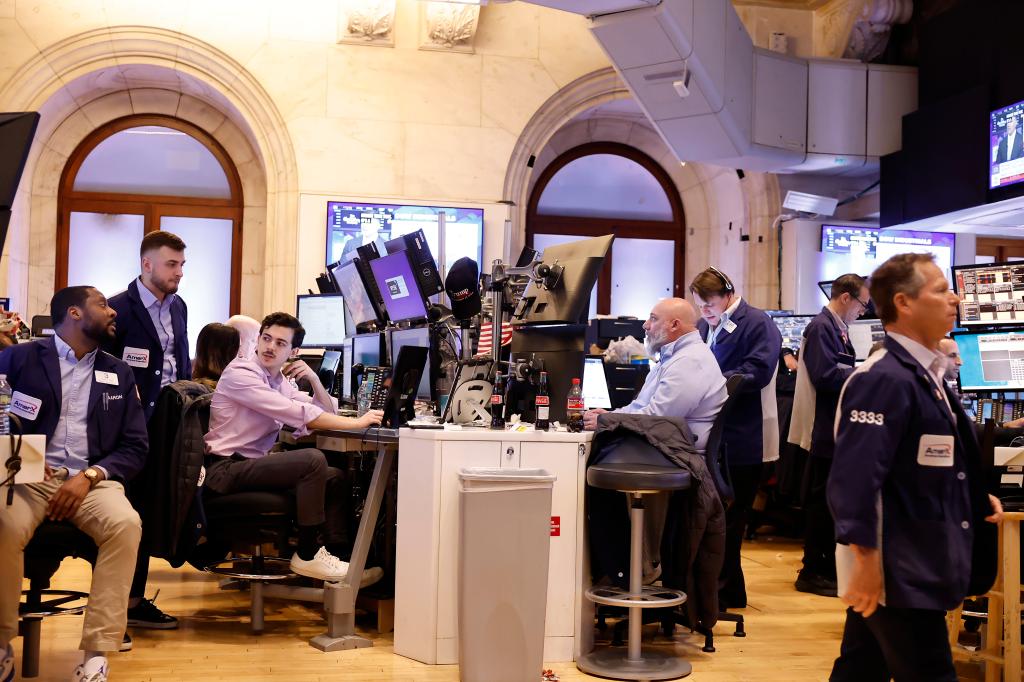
(85, 402)
(254, 397)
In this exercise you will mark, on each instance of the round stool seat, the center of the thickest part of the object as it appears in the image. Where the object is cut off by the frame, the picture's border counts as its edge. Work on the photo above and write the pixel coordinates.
(637, 478)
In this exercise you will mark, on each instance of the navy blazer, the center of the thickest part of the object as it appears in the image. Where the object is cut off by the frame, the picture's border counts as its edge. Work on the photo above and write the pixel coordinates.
(115, 423)
(751, 349)
(896, 438)
(829, 358)
(135, 329)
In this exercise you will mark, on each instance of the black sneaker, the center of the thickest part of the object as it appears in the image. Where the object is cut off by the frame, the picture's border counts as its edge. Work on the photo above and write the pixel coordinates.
(146, 614)
(126, 643)
(816, 584)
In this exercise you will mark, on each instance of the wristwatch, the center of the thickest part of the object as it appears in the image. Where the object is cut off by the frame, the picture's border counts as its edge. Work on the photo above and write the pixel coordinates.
(93, 474)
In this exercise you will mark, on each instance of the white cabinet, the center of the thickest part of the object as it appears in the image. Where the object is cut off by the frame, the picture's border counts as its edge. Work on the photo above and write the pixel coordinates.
(427, 562)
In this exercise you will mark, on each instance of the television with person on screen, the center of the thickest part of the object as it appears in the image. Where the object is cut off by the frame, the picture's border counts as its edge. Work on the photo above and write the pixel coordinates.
(1006, 146)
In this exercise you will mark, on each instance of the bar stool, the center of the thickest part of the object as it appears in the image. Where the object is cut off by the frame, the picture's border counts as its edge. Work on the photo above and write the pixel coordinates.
(636, 480)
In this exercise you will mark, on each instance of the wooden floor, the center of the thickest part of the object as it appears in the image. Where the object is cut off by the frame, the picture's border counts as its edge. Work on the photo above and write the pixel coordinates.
(791, 636)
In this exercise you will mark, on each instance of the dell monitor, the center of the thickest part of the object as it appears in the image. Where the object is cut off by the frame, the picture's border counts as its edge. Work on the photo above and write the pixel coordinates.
(323, 317)
(993, 360)
(350, 284)
(398, 287)
(420, 338)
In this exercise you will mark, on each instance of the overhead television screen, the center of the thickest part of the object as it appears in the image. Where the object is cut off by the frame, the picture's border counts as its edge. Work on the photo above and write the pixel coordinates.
(990, 295)
(862, 249)
(1006, 148)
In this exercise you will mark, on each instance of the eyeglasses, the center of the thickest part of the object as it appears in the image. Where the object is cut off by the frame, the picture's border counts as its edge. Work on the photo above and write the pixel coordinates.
(863, 305)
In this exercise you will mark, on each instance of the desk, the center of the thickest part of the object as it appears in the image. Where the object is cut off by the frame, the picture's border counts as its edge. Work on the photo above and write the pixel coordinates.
(426, 570)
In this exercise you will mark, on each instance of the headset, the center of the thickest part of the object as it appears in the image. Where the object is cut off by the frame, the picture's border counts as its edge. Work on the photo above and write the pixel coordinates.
(729, 288)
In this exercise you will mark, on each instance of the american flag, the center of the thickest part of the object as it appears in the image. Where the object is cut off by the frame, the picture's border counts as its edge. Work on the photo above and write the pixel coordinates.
(486, 334)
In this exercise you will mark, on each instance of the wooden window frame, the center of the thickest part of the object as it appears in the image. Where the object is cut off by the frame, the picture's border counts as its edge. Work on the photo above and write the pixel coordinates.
(674, 229)
(152, 207)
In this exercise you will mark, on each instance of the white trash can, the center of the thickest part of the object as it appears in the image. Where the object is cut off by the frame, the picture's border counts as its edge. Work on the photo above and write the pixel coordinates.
(504, 542)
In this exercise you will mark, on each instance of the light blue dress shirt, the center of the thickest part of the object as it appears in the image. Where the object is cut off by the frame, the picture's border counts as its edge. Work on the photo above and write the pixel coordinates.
(69, 445)
(160, 313)
(686, 384)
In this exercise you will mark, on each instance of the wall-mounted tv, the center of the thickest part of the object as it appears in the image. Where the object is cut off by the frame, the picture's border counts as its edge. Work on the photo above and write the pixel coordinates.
(1006, 146)
(849, 248)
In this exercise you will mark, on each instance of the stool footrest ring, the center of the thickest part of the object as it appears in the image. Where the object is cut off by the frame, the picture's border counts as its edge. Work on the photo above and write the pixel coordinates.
(241, 568)
(650, 597)
(51, 603)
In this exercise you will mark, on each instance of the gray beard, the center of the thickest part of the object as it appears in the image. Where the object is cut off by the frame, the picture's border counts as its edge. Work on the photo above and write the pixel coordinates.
(652, 346)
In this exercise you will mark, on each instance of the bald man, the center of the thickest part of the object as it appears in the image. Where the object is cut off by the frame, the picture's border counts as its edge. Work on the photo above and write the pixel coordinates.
(686, 383)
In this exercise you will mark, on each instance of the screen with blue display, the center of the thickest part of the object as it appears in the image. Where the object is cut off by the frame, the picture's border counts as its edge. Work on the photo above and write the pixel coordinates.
(993, 361)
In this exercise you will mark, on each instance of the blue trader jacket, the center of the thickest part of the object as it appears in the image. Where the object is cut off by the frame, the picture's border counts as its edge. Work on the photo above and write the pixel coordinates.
(135, 330)
(829, 358)
(752, 349)
(115, 424)
(907, 478)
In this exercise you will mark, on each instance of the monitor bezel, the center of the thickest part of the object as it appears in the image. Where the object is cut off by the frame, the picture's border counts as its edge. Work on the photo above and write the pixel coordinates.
(414, 284)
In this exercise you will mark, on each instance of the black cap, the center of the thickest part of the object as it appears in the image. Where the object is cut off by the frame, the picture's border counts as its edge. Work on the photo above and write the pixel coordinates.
(462, 287)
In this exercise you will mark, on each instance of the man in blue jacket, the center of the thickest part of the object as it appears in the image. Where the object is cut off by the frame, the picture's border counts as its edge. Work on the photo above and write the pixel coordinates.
(85, 402)
(152, 338)
(827, 360)
(907, 489)
(745, 341)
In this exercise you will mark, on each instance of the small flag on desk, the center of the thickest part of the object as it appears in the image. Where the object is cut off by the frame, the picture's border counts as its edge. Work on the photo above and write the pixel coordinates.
(486, 337)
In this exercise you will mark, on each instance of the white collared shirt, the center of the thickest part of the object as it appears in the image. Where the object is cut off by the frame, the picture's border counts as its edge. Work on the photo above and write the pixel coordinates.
(714, 331)
(933, 362)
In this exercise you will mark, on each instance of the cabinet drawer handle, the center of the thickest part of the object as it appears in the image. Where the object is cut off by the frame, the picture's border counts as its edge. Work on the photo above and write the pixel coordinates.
(510, 452)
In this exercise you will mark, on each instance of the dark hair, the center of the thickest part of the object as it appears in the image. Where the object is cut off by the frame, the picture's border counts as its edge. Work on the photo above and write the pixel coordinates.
(711, 282)
(849, 283)
(154, 240)
(285, 320)
(898, 275)
(216, 346)
(68, 297)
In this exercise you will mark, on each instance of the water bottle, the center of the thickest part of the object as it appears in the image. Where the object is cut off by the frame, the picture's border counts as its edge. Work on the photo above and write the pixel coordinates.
(5, 405)
(574, 407)
(363, 397)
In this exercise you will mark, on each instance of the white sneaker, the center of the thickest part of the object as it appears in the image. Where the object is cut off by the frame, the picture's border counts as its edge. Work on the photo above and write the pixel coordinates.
(93, 670)
(326, 566)
(7, 664)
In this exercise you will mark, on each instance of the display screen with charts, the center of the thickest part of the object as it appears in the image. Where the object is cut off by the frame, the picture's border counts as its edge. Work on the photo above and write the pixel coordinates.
(792, 329)
(993, 361)
(595, 384)
(991, 295)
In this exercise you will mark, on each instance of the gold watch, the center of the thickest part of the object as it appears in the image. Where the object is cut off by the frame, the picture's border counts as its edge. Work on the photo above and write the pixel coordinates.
(93, 474)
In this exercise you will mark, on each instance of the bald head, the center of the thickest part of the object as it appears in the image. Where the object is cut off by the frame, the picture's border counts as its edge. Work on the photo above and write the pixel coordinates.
(670, 319)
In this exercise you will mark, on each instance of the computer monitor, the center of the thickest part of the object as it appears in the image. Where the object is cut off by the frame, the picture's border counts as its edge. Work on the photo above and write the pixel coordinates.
(419, 337)
(350, 284)
(792, 329)
(565, 295)
(405, 377)
(993, 360)
(346, 394)
(864, 334)
(991, 295)
(398, 287)
(595, 384)
(323, 316)
(366, 350)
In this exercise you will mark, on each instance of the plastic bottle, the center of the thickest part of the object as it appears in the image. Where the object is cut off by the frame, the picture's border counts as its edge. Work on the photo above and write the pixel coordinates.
(574, 407)
(498, 402)
(543, 405)
(363, 397)
(5, 405)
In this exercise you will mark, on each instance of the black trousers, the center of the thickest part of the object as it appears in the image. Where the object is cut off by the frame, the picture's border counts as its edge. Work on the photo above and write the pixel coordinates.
(732, 587)
(819, 528)
(318, 488)
(906, 645)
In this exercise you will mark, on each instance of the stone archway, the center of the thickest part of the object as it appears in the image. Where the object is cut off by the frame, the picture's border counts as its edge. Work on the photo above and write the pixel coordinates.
(85, 81)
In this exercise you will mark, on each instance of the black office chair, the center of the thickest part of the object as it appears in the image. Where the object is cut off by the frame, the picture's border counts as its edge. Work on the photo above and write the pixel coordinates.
(50, 545)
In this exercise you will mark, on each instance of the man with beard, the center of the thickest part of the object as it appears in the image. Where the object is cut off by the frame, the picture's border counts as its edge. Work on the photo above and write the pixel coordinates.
(152, 339)
(84, 401)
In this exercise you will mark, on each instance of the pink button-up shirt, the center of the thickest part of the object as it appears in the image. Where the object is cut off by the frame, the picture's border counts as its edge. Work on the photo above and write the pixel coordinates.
(249, 407)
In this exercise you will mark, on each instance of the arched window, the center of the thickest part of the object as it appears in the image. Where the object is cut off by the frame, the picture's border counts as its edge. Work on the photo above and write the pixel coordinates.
(143, 173)
(608, 188)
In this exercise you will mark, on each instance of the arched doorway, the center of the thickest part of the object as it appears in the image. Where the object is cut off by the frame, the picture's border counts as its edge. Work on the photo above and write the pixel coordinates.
(138, 174)
(610, 188)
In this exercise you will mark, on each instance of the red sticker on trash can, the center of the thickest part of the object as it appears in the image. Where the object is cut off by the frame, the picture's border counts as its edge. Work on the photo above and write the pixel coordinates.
(556, 526)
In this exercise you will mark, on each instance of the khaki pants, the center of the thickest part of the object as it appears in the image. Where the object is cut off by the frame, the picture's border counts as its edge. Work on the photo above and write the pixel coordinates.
(108, 518)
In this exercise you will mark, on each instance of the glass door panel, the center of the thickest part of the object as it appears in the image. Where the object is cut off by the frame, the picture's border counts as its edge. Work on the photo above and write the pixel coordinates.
(643, 271)
(103, 250)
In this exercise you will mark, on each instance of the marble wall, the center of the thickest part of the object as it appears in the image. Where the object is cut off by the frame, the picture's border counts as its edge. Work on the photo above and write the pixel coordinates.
(307, 118)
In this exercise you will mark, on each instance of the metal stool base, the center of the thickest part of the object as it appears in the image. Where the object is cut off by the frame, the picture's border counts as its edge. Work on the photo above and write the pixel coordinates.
(614, 664)
(274, 568)
(650, 597)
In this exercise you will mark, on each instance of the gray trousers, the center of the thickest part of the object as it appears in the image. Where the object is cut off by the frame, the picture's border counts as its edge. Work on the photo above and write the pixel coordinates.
(319, 498)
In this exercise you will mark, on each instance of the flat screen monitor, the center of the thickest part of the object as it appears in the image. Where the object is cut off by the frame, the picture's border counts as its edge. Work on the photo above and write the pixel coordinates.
(350, 284)
(990, 295)
(1006, 149)
(792, 329)
(323, 316)
(366, 350)
(861, 249)
(397, 283)
(350, 225)
(418, 337)
(346, 372)
(863, 335)
(565, 297)
(993, 360)
(595, 384)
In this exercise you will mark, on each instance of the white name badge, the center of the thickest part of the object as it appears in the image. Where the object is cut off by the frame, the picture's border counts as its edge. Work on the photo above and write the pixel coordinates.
(935, 451)
(136, 357)
(25, 406)
(109, 378)
(729, 326)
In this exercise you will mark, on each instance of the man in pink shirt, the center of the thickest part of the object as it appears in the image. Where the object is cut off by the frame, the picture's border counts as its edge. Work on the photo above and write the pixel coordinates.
(254, 398)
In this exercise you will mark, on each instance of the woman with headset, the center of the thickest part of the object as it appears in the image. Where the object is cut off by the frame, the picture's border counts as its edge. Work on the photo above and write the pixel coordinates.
(745, 341)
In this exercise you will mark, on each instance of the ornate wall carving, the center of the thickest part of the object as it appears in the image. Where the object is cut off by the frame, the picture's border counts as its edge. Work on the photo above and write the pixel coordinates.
(366, 22)
(448, 26)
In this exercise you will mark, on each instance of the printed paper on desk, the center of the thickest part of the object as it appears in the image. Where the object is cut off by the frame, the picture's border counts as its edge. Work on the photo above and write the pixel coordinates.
(33, 458)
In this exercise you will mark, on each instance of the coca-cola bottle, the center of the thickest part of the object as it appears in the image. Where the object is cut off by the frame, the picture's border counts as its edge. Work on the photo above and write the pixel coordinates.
(543, 405)
(498, 402)
(574, 408)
